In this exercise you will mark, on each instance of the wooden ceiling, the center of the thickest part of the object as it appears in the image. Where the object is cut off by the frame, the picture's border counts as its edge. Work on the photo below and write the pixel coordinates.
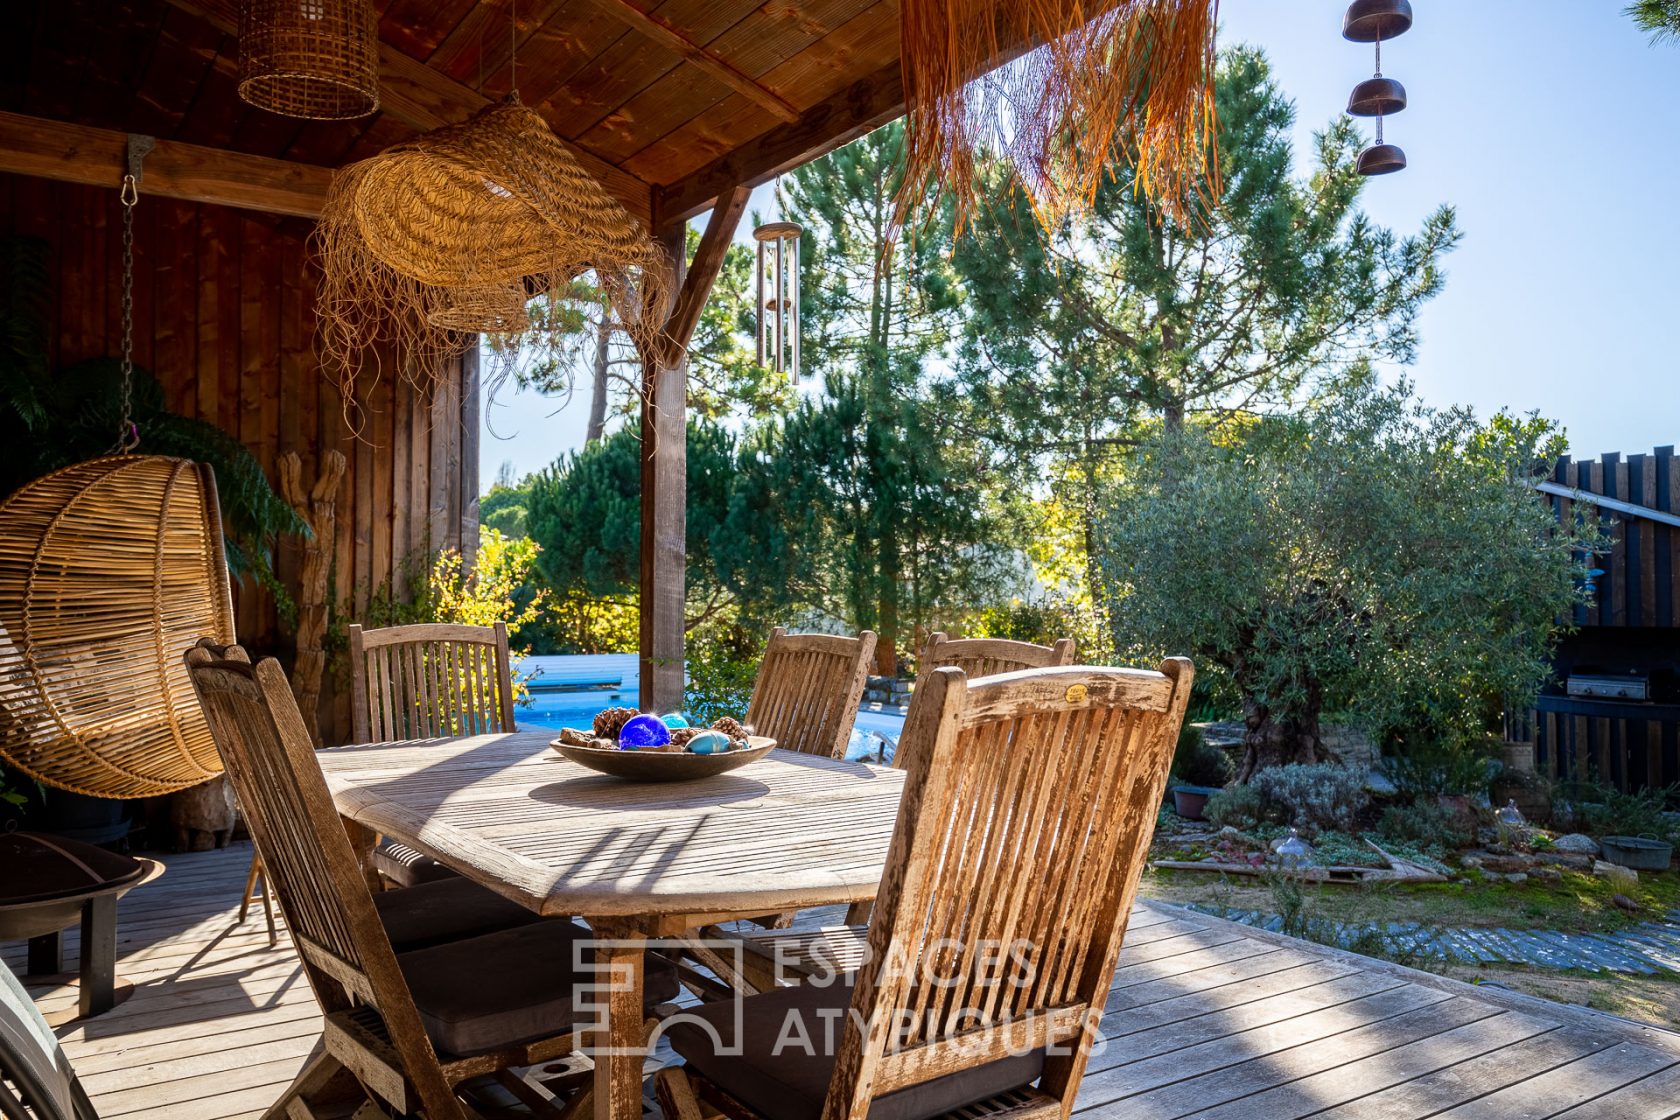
(671, 102)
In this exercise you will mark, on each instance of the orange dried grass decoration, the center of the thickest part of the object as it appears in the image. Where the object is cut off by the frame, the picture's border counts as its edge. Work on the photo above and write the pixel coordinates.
(1106, 81)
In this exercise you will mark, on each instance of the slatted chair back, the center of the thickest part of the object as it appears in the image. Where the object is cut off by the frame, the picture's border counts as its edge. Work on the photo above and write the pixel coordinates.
(1022, 833)
(987, 657)
(808, 689)
(428, 680)
(307, 856)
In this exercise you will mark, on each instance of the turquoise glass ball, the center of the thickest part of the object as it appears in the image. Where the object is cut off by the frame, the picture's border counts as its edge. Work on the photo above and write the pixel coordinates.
(709, 742)
(643, 731)
(674, 720)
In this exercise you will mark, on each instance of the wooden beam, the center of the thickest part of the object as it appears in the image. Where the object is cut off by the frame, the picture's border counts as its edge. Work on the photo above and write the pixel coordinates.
(425, 98)
(859, 108)
(74, 153)
(703, 270)
(672, 39)
(664, 544)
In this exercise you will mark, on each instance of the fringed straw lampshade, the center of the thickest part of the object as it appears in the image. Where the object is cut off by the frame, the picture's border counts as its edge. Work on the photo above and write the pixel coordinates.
(449, 232)
(313, 59)
(109, 570)
(1111, 80)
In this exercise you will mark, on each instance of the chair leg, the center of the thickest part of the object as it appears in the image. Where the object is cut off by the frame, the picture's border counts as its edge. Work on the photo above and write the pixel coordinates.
(676, 1094)
(250, 884)
(268, 909)
(322, 1083)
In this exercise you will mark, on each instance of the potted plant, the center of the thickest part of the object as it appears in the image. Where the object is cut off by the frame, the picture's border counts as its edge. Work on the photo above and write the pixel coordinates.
(1198, 771)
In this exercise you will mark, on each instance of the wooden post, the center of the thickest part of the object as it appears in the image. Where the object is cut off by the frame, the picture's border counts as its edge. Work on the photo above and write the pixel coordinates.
(664, 551)
(317, 506)
(664, 547)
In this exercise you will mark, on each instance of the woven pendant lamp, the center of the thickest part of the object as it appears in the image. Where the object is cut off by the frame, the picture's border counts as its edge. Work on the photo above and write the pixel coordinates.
(109, 570)
(450, 232)
(312, 59)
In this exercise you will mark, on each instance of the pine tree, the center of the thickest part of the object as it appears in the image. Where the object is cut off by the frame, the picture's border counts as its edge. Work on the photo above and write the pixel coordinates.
(1126, 322)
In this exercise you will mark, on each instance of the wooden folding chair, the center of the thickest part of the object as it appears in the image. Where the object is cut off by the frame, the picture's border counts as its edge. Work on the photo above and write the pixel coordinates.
(808, 689)
(986, 657)
(420, 681)
(1028, 807)
(409, 1028)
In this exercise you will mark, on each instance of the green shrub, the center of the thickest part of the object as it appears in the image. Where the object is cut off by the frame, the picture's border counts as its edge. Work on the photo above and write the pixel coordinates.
(1440, 769)
(719, 683)
(1198, 764)
(1318, 797)
(1607, 810)
(1240, 807)
(1426, 827)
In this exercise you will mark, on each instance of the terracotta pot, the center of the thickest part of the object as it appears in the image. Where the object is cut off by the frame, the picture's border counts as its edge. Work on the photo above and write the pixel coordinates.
(1189, 801)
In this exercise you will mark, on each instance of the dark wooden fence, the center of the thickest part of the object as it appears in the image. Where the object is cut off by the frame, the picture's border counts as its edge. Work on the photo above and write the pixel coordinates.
(1631, 626)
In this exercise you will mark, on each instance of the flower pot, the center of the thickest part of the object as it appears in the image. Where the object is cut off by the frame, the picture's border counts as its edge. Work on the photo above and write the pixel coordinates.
(1637, 853)
(1189, 801)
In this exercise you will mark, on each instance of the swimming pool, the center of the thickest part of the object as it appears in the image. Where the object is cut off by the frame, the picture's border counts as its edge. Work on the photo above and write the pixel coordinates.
(566, 706)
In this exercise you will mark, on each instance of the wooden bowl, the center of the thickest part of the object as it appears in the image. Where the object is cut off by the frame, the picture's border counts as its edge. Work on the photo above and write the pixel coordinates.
(664, 766)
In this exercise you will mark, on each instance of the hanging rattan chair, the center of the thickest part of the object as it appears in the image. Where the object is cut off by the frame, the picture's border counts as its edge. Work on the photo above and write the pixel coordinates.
(109, 569)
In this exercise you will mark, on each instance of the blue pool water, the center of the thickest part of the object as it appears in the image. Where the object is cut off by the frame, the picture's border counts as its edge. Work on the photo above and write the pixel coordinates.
(562, 695)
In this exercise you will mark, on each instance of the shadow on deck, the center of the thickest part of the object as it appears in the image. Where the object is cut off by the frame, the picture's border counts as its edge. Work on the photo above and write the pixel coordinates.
(1207, 1019)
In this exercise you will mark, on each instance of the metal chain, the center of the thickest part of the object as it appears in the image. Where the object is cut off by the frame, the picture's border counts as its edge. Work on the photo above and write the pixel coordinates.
(128, 435)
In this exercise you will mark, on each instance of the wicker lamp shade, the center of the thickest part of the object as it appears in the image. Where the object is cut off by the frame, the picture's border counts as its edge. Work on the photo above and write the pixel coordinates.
(109, 569)
(447, 232)
(314, 59)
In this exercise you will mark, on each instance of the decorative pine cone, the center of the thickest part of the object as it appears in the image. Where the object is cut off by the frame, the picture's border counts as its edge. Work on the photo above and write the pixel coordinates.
(730, 727)
(610, 722)
(681, 735)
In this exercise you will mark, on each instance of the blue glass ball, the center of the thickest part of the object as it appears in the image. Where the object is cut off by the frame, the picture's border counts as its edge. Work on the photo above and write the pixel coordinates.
(674, 720)
(709, 742)
(643, 731)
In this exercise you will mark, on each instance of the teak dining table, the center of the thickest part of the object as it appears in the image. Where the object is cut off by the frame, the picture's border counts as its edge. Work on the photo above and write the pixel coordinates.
(633, 860)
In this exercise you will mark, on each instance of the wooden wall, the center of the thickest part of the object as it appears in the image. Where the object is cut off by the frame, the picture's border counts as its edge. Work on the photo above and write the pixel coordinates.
(224, 318)
(1632, 625)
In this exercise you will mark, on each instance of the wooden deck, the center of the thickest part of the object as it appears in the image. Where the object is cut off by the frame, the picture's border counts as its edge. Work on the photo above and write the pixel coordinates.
(1207, 1019)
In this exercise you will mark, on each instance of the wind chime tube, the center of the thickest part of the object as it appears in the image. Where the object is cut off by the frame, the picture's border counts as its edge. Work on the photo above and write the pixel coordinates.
(778, 297)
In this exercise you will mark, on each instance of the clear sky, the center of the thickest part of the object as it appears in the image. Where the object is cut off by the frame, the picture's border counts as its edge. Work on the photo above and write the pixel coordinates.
(1554, 127)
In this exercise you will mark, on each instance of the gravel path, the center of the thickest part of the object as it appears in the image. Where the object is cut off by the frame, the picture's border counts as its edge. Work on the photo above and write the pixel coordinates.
(1647, 949)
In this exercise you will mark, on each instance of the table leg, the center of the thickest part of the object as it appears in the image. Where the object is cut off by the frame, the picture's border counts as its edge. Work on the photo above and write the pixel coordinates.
(362, 841)
(618, 1071)
(99, 955)
(46, 954)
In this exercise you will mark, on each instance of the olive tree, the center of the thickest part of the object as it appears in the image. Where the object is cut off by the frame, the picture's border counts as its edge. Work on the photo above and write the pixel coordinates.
(1370, 555)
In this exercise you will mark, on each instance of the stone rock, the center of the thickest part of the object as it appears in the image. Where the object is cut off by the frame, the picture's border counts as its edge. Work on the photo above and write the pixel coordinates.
(1577, 843)
(1350, 747)
(1378, 783)
(1547, 874)
(1575, 861)
(1616, 874)
(1517, 877)
(1230, 833)
(1471, 863)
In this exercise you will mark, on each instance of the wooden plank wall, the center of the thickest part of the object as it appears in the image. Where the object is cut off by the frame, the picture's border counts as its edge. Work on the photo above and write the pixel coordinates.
(224, 318)
(1632, 623)
(1641, 581)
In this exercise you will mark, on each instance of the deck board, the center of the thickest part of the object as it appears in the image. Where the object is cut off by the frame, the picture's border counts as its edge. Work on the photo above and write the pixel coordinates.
(1204, 1019)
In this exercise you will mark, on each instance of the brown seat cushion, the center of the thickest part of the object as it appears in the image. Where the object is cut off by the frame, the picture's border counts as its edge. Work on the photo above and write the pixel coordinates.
(515, 986)
(791, 1084)
(452, 909)
(406, 867)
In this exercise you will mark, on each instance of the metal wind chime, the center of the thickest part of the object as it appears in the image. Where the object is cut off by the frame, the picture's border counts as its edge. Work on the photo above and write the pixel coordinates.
(1372, 21)
(778, 297)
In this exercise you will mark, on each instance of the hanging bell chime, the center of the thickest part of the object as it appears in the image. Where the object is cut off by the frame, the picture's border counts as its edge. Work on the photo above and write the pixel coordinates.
(778, 297)
(1372, 21)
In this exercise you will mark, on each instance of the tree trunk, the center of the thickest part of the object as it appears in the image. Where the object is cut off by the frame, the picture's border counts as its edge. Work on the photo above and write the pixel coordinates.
(598, 391)
(1275, 739)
